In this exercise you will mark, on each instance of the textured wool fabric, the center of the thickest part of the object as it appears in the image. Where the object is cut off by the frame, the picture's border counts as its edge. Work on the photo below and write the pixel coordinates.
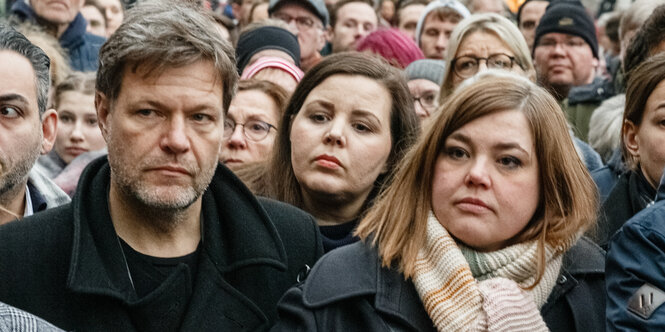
(568, 17)
(272, 62)
(266, 38)
(429, 69)
(487, 296)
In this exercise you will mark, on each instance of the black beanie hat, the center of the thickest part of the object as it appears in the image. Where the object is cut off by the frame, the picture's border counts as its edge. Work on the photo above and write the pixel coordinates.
(266, 38)
(571, 18)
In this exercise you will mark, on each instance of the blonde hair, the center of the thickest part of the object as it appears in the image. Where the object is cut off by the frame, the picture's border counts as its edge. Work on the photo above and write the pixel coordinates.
(396, 224)
(492, 23)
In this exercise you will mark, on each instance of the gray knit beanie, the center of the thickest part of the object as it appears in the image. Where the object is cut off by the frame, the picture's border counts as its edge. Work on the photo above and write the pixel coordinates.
(431, 70)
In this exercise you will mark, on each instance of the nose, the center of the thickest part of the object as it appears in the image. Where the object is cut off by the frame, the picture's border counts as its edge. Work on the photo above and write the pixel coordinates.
(175, 140)
(76, 135)
(420, 110)
(558, 49)
(237, 139)
(482, 66)
(478, 173)
(335, 134)
(293, 28)
(442, 42)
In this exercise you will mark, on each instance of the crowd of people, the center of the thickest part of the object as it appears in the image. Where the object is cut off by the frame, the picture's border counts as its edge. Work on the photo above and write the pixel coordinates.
(311, 165)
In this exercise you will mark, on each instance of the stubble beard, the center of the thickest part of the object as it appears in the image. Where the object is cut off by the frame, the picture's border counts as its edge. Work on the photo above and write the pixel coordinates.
(15, 176)
(163, 207)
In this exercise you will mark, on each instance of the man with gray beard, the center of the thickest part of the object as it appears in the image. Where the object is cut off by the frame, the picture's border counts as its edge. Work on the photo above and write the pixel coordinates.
(26, 128)
(159, 236)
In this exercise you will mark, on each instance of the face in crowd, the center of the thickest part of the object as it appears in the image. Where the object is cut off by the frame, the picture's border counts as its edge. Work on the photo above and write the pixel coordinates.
(96, 20)
(305, 25)
(480, 51)
(436, 34)
(57, 12)
(563, 61)
(168, 126)
(23, 133)
(114, 14)
(355, 20)
(644, 120)
(78, 130)
(425, 94)
(341, 138)
(250, 126)
(529, 18)
(486, 185)
(408, 18)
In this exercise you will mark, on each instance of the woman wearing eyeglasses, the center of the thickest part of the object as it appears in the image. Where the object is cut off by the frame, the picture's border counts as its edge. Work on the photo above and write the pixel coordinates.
(348, 123)
(481, 42)
(250, 126)
(490, 41)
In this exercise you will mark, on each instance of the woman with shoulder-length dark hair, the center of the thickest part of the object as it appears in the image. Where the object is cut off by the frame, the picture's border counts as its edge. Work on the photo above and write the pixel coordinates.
(479, 230)
(347, 125)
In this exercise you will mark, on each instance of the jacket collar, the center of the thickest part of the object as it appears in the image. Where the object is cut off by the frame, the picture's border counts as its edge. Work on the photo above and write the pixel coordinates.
(364, 276)
(97, 265)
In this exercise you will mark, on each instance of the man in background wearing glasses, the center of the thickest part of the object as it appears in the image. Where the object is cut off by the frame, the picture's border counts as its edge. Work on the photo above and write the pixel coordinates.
(308, 20)
(566, 58)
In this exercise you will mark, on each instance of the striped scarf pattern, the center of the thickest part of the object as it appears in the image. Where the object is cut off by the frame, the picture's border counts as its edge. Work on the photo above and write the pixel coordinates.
(484, 295)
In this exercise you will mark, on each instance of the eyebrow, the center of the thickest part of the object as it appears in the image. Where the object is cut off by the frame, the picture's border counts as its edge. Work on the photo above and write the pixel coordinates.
(13, 97)
(356, 112)
(500, 146)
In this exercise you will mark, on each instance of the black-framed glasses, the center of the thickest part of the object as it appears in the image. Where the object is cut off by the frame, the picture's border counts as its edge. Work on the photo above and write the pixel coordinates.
(302, 22)
(255, 130)
(427, 101)
(467, 66)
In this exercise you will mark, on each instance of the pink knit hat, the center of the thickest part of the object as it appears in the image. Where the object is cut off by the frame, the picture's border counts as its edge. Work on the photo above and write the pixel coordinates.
(394, 46)
(272, 62)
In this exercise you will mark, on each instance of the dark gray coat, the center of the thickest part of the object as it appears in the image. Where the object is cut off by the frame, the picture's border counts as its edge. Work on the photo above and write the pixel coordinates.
(65, 265)
(348, 291)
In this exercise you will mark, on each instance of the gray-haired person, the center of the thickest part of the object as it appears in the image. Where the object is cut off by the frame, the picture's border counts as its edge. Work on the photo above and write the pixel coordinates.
(27, 128)
(159, 235)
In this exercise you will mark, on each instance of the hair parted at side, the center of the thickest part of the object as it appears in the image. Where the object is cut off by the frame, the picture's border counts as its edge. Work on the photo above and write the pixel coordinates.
(494, 24)
(14, 41)
(280, 180)
(397, 222)
(643, 80)
(272, 90)
(161, 34)
(83, 82)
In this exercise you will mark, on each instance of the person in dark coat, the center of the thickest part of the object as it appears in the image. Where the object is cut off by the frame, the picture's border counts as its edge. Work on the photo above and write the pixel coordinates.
(642, 148)
(159, 236)
(479, 231)
(67, 25)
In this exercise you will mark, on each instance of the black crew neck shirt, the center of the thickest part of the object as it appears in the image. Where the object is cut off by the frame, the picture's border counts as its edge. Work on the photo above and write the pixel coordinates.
(149, 272)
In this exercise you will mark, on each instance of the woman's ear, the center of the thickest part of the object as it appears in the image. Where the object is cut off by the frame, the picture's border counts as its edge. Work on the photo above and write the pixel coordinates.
(630, 139)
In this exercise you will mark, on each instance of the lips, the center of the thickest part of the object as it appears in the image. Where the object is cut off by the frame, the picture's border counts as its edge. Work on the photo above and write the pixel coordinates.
(233, 161)
(171, 170)
(328, 161)
(75, 151)
(472, 205)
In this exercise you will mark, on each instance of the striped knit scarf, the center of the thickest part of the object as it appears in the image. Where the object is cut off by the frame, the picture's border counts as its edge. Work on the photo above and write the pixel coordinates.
(464, 290)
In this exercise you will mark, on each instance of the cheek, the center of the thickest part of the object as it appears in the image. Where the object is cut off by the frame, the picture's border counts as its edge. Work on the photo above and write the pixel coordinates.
(94, 138)
(301, 138)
